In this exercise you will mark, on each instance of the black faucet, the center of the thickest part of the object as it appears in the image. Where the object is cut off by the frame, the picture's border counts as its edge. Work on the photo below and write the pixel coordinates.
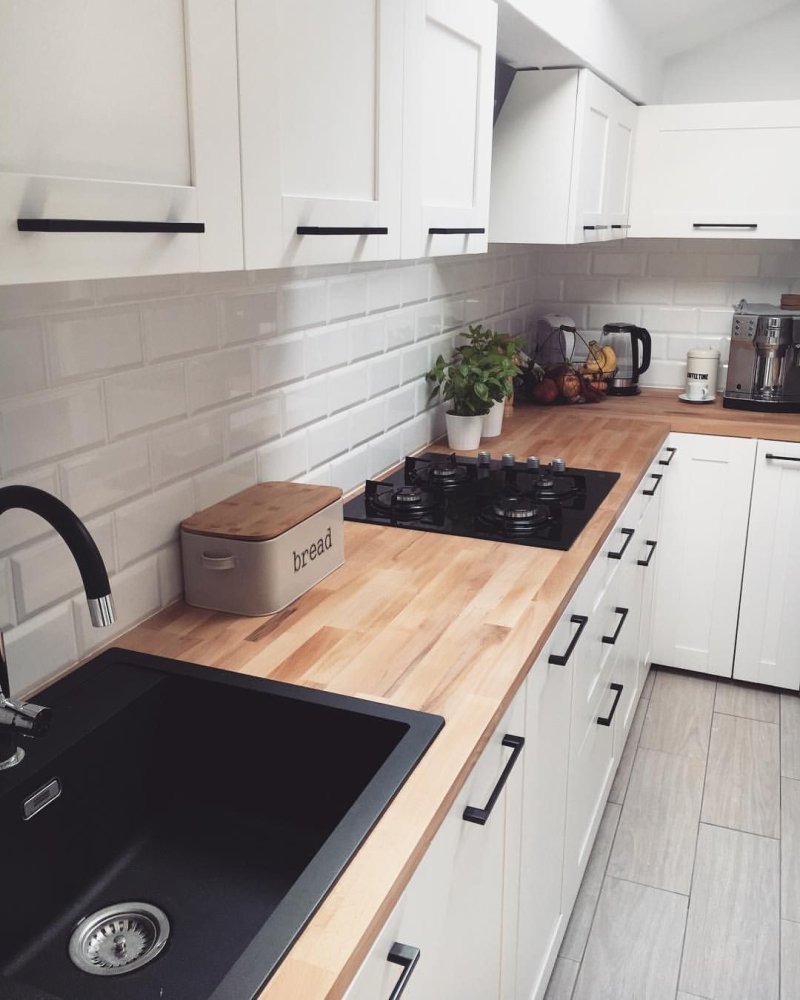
(20, 718)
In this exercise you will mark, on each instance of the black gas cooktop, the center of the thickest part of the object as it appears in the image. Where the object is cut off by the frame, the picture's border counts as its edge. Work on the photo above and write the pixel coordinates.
(546, 506)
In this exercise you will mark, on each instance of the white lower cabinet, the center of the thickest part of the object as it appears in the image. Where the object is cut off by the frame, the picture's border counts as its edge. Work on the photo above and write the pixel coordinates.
(452, 910)
(706, 504)
(484, 914)
(768, 639)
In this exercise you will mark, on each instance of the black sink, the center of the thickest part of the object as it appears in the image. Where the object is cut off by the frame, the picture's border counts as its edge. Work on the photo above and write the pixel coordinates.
(229, 802)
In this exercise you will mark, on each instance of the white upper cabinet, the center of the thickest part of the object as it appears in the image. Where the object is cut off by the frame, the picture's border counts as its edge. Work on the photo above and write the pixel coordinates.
(561, 164)
(768, 641)
(717, 170)
(447, 136)
(118, 112)
(321, 90)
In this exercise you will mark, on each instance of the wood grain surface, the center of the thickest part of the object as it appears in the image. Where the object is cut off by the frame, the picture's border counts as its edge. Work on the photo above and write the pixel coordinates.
(262, 512)
(449, 625)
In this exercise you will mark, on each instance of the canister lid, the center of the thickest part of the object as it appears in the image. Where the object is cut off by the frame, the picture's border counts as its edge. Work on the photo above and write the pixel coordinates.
(708, 353)
(262, 512)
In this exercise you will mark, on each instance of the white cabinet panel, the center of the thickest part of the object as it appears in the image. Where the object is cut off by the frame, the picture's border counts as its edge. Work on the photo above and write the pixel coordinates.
(447, 136)
(118, 112)
(705, 508)
(768, 641)
(561, 164)
(321, 90)
(717, 170)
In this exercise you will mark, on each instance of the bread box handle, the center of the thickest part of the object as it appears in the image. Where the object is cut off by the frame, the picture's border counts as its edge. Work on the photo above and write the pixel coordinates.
(218, 562)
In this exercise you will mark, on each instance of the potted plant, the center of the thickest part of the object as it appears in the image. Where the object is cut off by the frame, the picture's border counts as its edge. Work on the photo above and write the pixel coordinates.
(477, 377)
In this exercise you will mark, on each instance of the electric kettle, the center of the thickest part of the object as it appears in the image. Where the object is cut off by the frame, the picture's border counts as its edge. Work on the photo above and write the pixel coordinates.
(625, 339)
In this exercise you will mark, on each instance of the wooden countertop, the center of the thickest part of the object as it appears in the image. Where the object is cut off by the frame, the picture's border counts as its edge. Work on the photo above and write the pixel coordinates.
(448, 625)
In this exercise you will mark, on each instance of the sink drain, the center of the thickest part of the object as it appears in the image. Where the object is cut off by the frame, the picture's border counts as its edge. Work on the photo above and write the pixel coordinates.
(119, 939)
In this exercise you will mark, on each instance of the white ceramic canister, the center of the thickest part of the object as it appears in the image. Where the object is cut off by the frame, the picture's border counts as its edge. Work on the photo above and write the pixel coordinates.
(702, 365)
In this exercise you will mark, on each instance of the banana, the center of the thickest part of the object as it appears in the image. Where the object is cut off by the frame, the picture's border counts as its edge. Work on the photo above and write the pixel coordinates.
(602, 360)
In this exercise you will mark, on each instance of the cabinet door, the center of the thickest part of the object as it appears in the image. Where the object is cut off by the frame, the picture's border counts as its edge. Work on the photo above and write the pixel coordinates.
(768, 641)
(447, 133)
(321, 86)
(647, 559)
(705, 504)
(115, 112)
(604, 129)
(541, 917)
(717, 170)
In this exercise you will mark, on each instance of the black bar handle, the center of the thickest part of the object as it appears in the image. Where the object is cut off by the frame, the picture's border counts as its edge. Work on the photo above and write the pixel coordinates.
(407, 956)
(598, 227)
(725, 225)
(618, 226)
(611, 639)
(668, 461)
(456, 232)
(342, 231)
(106, 226)
(472, 814)
(646, 562)
(628, 532)
(607, 721)
(561, 659)
(658, 477)
(781, 458)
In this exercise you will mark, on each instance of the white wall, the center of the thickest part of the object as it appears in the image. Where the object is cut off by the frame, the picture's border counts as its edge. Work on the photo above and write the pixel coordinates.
(139, 401)
(682, 291)
(757, 63)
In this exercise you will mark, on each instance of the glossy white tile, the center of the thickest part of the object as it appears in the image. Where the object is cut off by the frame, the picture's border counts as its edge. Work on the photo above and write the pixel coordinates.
(303, 304)
(304, 403)
(106, 477)
(279, 361)
(286, 458)
(152, 522)
(40, 647)
(218, 378)
(185, 448)
(22, 368)
(136, 596)
(145, 397)
(224, 480)
(253, 423)
(180, 326)
(367, 337)
(250, 317)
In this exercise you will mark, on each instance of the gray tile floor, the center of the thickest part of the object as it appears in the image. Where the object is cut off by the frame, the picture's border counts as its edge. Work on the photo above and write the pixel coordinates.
(692, 891)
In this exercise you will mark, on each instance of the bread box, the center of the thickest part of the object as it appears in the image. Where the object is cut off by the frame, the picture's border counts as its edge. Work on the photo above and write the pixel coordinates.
(260, 549)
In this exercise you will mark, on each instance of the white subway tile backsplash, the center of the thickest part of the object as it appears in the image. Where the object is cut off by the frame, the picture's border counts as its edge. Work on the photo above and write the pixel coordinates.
(400, 405)
(416, 282)
(701, 293)
(223, 481)
(348, 386)
(305, 402)
(279, 361)
(367, 337)
(414, 362)
(590, 289)
(732, 265)
(384, 289)
(250, 317)
(618, 265)
(170, 574)
(22, 359)
(303, 304)
(644, 291)
(149, 286)
(250, 425)
(7, 613)
(106, 477)
(151, 523)
(676, 265)
(180, 326)
(565, 262)
(416, 434)
(136, 597)
(780, 265)
(350, 470)
(347, 296)
(326, 348)
(664, 374)
(17, 527)
(400, 328)
(384, 373)
(386, 451)
(715, 321)
(284, 459)
(428, 320)
(46, 573)
(600, 315)
(328, 439)
(93, 342)
(669, 320)
(45, 426)
(145, 397)
(39, 648)
(367, 421)
(185, 448)
(33, 300)
(218, 378)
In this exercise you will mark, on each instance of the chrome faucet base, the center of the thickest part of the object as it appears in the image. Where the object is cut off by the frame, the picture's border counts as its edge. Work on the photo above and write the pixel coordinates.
(13, 760)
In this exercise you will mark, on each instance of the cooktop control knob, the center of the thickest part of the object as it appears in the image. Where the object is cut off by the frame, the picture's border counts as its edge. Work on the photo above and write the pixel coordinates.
(558, 465)
(507, 460)
(484, 457)
(532, 463)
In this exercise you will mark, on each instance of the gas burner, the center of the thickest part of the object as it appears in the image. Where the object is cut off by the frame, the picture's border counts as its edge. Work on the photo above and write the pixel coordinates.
(516, 515)
(401, 502)
(441, 472)
(547, 488)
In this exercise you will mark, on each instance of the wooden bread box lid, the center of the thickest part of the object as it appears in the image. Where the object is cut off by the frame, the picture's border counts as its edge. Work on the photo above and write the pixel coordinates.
(262, 512)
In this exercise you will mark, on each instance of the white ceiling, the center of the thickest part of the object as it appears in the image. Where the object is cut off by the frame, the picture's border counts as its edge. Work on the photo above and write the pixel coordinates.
(673, 26)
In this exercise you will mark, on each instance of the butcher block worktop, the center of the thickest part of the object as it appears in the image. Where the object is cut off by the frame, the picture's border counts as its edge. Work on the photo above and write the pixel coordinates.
(443, 624)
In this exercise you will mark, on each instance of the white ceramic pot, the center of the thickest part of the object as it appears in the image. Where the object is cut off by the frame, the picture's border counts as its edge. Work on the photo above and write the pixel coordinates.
(463, 433)
(493, 420)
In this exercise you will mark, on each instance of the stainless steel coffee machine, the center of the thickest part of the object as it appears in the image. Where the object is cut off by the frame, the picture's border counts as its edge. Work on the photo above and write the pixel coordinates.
(764, 363)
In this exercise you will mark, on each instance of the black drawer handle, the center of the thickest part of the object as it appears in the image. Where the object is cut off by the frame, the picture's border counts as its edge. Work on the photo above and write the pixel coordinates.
(607, 721)
(406, 956)
(668, 461)
(646, 562)
(611, 639)
(782, 458)
(455, 232)
(561, 659)
(105, 226)
(725, 225)
(628, 532)
(342, 231)
(472, 814)
(658, 477)
(597, 227)
(618, 226)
